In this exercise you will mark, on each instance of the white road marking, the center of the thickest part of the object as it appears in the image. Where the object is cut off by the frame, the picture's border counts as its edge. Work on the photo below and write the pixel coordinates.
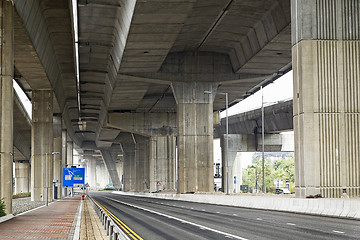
(234, 214)
(218, 212)
(203, 210)
(338, 232)
(258, 218)
(292, 224)
(228, 235)
(192, 208)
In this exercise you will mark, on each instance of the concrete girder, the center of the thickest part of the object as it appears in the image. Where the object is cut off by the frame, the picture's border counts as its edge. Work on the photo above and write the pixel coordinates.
(146, 124)
(277, 118)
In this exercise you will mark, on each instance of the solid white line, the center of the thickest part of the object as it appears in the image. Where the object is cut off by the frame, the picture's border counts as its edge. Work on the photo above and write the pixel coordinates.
(179, 219)
(337, 231)
(292, 224)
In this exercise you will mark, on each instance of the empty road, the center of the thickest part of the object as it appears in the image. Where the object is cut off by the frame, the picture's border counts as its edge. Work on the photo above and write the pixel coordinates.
(156, 219)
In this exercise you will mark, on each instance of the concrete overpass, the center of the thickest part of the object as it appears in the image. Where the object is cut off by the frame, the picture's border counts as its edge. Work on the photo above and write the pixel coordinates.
(150, 62)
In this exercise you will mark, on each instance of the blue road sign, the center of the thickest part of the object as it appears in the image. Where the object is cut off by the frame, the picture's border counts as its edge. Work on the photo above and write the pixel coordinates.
(73, 176)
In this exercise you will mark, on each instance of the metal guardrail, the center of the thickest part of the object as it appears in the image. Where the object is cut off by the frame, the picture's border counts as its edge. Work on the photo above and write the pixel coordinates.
(112, 229)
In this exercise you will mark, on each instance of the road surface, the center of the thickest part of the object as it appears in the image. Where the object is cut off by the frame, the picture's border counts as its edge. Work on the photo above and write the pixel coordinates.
(156, 219)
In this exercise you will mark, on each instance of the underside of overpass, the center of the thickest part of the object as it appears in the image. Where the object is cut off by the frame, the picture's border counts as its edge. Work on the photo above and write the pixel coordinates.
(130, 78)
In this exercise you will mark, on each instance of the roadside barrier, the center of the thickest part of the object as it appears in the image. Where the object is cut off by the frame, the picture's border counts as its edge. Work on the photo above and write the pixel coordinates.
(112, 229)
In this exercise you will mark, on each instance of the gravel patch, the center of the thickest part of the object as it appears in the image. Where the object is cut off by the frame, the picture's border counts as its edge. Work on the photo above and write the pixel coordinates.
(20, 205)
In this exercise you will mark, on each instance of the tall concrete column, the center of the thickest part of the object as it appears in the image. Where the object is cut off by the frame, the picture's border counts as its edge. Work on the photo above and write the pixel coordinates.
(195, 135)
(129, 166)
(237, 143)
(91, 170)
(63, 157)
(162, 163)
(57, 154)
(42, 145)
(326, 57)
(6, 128)
(69, 153)
(142, 163)
(22, 176)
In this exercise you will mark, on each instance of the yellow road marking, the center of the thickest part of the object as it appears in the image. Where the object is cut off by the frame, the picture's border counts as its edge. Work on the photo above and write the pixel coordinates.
(130, 232)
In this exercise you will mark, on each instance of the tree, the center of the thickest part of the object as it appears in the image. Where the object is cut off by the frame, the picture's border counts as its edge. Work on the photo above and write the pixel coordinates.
(278, 170)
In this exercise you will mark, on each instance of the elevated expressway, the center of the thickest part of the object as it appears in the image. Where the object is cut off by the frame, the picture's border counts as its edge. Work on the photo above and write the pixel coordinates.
(143, 67)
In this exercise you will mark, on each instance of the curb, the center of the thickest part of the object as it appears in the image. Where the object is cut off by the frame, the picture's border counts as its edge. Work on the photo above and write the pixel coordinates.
(6, 218)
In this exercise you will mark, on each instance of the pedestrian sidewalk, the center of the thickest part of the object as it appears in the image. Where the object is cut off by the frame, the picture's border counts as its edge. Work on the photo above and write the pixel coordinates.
(56, 221)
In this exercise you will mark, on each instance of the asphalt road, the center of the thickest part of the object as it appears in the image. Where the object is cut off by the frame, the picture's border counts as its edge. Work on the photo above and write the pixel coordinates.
(157, 219)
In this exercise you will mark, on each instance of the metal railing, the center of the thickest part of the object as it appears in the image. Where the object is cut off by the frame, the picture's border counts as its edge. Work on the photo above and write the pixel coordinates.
(112, 229)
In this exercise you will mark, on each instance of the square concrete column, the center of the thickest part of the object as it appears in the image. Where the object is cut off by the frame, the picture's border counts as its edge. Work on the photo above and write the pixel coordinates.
(63, 156)
(326, 66)
(142, 163)
(6, 128)
(162, 163)
(232, 165)
(42, 145)
(195, 135)
(129, 166)
(57, 155)
(91, 171)
(22, 174)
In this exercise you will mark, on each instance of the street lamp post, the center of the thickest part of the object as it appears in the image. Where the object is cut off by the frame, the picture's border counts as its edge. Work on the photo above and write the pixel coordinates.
(227, 138)
(263, 139)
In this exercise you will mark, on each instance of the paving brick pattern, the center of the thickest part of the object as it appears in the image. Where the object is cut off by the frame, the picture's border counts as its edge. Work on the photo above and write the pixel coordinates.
(52, 222)
(91, 226)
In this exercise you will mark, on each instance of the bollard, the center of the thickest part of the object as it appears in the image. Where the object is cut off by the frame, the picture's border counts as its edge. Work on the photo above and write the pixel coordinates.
(107, 226)
(111, 231)
(115, 236)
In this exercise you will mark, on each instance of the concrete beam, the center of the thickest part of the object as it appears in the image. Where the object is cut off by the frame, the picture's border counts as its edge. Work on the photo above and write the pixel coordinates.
(146, 124)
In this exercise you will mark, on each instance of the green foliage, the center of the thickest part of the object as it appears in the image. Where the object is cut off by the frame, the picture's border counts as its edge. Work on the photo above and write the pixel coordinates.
(278, 170)
(22, 195)
(2, 208)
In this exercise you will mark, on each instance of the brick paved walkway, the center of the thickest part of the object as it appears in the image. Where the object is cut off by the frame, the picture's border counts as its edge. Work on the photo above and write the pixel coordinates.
(52, 222)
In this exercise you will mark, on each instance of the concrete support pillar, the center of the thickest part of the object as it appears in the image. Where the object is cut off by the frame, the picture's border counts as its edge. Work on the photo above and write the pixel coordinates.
(162, 163)
(6, 128)
(142, 164)
(69, 153)
(120, 169)
(195, 135)
(57, 155)
(237, 143)
(326, 57)
(42, 145)
(102, 175)
(91, 170)
(129, 166)
(22, 177)
(63, 157)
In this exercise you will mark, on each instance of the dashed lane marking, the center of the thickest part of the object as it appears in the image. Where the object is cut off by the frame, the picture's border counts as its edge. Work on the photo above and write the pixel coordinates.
(228, 235)
(291, 224)
(338, 232)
